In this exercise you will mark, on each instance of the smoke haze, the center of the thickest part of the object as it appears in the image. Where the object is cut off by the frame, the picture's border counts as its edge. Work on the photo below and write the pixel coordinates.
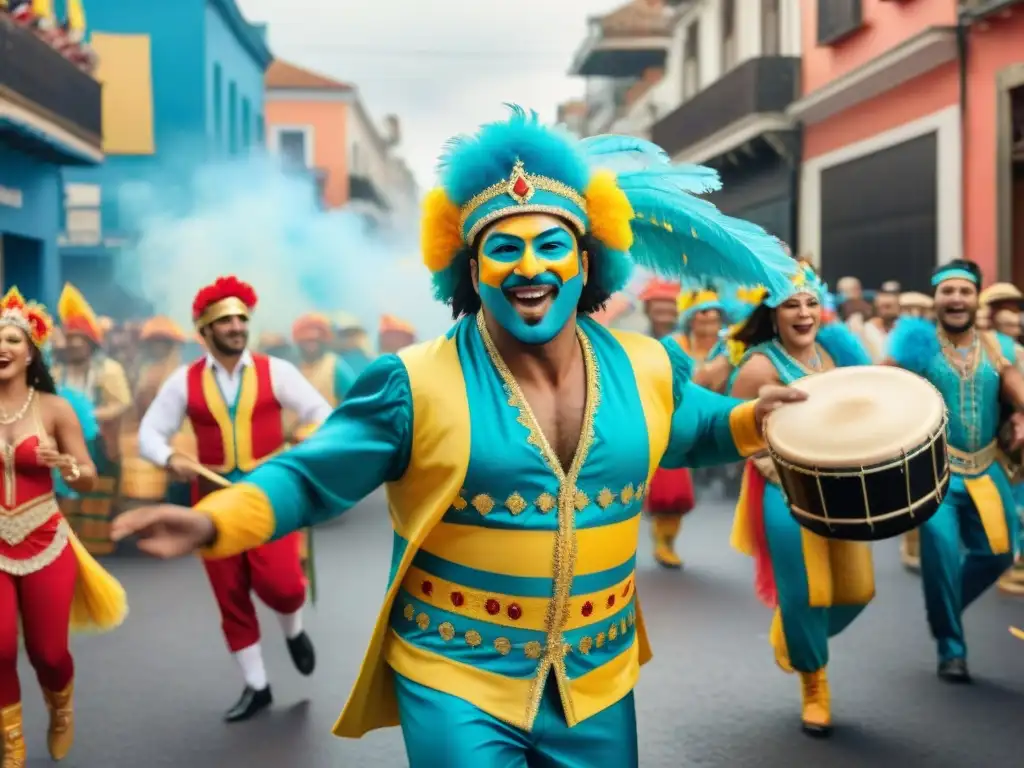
(251, 219)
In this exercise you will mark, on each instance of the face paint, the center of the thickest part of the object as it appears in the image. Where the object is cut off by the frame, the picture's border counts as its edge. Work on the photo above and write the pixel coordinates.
(531, 275)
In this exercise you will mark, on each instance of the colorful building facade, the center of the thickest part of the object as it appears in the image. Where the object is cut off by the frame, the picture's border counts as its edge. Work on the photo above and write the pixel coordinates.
(49, 120)
(182, 86)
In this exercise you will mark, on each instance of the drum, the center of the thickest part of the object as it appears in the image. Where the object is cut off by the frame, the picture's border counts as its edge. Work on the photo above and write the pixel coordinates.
(864, 457)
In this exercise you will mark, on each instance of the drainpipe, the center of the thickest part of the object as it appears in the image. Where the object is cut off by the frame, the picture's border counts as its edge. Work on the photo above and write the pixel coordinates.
(963, 26)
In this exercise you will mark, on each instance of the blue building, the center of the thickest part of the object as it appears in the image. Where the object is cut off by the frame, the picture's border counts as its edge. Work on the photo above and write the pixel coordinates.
(182, 85)
(49, 119)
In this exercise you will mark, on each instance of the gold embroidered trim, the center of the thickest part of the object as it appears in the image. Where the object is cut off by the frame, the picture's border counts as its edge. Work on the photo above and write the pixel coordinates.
(38, 561)
(460, 502)
(546, 502)
(605, 498)
(18, 523)
(515, 504)
(482, 503)
(564, 555)
(501, 213)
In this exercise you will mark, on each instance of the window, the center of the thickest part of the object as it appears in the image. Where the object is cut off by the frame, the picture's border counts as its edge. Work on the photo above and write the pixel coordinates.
(232, 118)
(691, 61)
(354, 163)
(729, 42)
(838, 19)
(294, 146)
(771, 32)
(246, 126)
(218, 105)
(82, 214)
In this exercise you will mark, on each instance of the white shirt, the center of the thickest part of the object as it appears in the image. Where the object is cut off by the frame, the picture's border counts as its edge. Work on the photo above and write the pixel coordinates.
(168, 410)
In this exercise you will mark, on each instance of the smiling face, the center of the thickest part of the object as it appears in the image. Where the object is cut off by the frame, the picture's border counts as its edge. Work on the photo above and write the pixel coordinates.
(956, 304)
(530, 274)
(15, 353)
(706, 323)
(798, 319)
(228, 335)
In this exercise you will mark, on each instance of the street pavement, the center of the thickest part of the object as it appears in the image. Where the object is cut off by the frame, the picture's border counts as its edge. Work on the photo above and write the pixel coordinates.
(151, 694)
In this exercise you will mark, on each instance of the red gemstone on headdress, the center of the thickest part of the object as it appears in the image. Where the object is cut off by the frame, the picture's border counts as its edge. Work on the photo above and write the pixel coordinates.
(521, 187)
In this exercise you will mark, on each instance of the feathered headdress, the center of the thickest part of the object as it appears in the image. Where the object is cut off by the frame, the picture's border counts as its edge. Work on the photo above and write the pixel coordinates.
(29, 316)
(224, 297)
(698, 301)
(622, 191)
(76, 316)
(161, 327)
(311, 327)
(805, 280)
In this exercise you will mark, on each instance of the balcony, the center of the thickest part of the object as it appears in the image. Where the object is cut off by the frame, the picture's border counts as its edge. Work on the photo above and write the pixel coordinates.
(48, 107)
(728, 109)
(625, 42)
(365, 190)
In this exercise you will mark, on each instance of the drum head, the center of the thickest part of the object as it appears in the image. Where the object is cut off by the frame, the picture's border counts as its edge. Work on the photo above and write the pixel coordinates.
(855, 417)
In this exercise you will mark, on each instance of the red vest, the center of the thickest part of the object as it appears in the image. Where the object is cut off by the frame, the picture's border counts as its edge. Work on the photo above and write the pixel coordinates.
(254, 434)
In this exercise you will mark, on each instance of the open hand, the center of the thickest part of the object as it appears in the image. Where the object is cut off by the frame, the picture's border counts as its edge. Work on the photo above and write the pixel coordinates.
(165, 531)
(773, 396)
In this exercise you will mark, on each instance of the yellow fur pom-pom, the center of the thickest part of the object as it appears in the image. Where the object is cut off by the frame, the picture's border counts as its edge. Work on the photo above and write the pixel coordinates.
(440, 234)
(609, 212)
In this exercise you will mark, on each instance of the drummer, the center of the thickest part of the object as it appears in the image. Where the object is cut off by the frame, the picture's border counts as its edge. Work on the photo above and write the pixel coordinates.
(816, 586)
(971, 369)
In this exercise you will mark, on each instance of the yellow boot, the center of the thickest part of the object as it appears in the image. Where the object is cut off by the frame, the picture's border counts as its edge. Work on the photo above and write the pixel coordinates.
(14, 737)
(61, 733)
(910, 551)
(665, 529)
(778, 640)
(817, 703)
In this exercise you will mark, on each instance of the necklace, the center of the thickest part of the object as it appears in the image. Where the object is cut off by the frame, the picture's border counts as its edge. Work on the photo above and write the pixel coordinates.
(6, 420)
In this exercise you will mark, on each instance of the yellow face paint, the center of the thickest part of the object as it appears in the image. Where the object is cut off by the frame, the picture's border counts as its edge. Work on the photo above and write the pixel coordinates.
(527, 246)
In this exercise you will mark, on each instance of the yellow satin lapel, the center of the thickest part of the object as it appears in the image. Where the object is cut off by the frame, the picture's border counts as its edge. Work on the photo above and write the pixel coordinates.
(247, 394)
(989, 502)
(219, 410)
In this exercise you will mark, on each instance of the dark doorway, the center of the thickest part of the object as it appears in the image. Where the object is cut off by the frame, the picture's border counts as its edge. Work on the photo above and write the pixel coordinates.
(879, 216)
(22, 265)
(1017, 186)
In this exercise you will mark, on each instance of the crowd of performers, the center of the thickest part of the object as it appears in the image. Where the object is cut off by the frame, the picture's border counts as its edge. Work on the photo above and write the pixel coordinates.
(518, 452)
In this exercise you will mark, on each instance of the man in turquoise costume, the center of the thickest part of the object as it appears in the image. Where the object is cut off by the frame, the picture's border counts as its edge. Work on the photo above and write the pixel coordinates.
(516, 451)
(968, 544)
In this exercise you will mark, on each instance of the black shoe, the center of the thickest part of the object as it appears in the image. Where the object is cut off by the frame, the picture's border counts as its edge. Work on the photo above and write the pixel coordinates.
(954, 671)
(816, 731)
(252, 702)
(300, 648)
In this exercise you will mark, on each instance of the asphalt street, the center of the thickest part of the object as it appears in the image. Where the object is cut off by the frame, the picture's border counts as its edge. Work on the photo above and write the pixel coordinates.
(151, 694)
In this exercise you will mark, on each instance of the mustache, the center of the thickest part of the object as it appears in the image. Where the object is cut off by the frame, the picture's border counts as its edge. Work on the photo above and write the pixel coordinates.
(544, 278)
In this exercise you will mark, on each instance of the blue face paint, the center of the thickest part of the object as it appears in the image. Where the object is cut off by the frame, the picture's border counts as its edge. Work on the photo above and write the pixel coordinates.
(530, 250)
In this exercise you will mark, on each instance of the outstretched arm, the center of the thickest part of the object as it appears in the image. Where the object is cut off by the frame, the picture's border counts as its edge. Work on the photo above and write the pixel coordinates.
(365, 443)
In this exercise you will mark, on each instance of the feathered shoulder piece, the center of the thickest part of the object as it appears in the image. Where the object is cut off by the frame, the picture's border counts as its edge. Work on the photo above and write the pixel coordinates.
(842, 345)
(913, 344)
(29, 316)
(225, 296)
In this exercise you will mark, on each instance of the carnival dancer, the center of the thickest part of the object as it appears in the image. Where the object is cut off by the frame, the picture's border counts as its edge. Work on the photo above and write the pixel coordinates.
(516, 450)
(721, 361)
(49, 583)
(91, 371)
(233, 399)
(973, 371)
(670, 494)
(351, 342)
(394, 335)
(325, 370)
(817, 586)
(914, 304)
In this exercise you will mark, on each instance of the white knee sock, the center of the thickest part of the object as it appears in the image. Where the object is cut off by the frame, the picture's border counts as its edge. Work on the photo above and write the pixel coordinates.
(291, 623)
(251, 661)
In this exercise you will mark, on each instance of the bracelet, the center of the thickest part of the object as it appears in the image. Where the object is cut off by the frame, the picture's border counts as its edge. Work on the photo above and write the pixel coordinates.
(74, 474)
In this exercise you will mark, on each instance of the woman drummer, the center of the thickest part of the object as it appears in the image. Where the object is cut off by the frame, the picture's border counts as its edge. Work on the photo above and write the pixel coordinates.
(817, 586)
(46, 576)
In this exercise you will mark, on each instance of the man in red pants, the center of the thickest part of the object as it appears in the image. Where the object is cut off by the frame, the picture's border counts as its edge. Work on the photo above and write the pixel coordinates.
(234, 399)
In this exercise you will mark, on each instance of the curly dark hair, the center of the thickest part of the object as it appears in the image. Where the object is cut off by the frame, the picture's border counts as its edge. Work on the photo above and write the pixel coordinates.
(37, 373)
(758, 328)
(466, 301)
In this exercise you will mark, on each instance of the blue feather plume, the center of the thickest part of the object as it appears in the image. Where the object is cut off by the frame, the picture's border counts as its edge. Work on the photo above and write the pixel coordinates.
(842, 345)
(913, 344)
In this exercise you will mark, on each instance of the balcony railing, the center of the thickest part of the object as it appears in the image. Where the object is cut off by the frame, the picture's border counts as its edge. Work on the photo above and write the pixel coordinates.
(43, 81)
(363, 188)
(764, 85)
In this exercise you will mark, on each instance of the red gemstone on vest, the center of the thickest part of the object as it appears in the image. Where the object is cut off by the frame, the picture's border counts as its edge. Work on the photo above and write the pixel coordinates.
(457, 599)
(611, 600)
(588, 608)
(427, 588)
(492, 606)
(514, 611)
(521, 187)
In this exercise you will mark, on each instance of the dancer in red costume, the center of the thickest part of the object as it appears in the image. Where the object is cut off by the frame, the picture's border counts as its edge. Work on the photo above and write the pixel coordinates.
(670, 494)
(46, 576)
(234, 400)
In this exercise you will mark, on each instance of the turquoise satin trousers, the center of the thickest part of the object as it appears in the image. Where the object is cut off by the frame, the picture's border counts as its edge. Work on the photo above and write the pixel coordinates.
(957, 563)
(807, 629)
(443, 731)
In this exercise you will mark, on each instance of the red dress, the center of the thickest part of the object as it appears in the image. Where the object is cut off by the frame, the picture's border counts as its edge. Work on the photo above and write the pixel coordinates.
(33, 533)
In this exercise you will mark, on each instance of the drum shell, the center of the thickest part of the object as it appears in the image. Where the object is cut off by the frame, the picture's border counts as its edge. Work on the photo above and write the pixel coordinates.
(869, 503)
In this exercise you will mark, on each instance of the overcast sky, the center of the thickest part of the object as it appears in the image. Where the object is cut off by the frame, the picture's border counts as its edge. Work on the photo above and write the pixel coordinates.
(442, 66)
